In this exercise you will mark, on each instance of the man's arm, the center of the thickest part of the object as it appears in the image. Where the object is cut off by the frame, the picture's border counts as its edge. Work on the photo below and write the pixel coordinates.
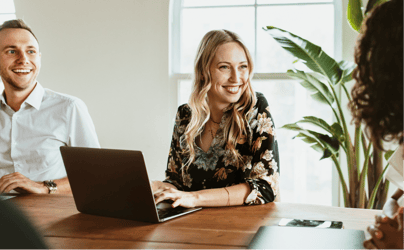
(22, 184)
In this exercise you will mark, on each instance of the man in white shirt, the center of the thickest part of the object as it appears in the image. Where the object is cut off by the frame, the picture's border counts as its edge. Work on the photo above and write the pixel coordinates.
(34, 121)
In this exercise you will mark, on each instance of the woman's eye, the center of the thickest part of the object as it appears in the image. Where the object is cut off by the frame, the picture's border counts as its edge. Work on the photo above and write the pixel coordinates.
(244, 66)
(224, 67)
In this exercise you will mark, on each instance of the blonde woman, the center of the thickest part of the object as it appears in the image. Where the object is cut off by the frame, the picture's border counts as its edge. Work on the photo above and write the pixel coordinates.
(223, 150)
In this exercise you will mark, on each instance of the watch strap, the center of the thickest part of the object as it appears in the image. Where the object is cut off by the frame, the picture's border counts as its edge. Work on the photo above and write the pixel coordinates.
(51, 185)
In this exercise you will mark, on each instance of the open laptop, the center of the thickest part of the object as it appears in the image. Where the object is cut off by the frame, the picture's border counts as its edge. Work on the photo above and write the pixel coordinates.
(278, 237)
(114, 183)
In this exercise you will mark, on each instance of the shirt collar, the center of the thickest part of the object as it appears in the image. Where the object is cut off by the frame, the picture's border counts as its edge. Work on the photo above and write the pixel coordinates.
(36, 96)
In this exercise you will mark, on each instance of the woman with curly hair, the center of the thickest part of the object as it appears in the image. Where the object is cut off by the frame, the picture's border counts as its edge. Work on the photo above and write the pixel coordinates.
(223, 150)
(377, 100)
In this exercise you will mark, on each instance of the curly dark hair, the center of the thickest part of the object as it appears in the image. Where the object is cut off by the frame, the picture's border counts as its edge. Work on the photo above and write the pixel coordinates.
(377, 96)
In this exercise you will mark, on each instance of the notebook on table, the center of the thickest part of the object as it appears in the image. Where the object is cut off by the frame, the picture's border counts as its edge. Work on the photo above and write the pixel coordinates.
(114, 183)
(276, 237)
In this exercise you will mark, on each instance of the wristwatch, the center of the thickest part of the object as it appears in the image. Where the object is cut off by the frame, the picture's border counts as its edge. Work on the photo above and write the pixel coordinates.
(51, 186)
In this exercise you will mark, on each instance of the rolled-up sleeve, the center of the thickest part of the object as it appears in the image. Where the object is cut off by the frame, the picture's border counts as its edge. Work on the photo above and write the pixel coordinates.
(81, 127)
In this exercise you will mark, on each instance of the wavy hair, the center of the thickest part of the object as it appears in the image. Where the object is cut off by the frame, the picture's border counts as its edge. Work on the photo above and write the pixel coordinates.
(235, 127)
(377, 96)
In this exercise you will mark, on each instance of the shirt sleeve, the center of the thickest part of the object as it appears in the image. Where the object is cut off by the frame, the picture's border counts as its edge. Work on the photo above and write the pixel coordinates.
(81, 128)
(263, 174)
(174, 162)
(395, 172)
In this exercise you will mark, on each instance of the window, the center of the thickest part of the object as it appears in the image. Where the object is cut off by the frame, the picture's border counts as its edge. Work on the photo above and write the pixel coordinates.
(304, 179)
(7, 12)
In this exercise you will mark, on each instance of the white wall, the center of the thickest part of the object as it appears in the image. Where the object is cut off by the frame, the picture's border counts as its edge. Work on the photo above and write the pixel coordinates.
(114, 56)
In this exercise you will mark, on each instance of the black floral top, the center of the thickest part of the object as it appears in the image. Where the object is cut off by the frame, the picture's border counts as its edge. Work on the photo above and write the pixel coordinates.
(218, 168)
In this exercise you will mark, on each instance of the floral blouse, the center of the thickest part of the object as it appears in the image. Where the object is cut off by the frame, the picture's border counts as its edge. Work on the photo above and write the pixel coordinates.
(217, 168)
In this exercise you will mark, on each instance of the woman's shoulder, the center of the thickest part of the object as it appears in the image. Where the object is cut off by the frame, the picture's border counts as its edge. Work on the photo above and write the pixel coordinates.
(261, 101)
(184, 111)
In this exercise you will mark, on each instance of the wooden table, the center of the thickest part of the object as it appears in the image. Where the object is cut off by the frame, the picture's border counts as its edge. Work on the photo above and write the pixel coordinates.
(63, 226)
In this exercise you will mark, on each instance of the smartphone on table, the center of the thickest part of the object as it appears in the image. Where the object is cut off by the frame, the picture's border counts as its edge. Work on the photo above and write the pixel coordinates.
(310, 223)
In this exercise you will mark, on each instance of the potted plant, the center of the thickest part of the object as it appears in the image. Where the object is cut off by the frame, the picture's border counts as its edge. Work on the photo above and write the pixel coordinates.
(327, 78)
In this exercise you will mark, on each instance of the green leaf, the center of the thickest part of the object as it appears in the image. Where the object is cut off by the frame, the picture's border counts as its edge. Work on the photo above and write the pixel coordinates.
(319, 142)
(310, 54)
(314, 143)
(317, 147)
(388, 154)
(311, 83)
(337, 132)
(354, 14)
(316, 121)
(347, 69)
(292, 126)
(327, 154)
(330, 142)
(326, 141)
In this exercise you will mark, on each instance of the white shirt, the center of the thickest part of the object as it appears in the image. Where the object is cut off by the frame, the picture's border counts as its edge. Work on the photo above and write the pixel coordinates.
(395, 171)
(30, 138)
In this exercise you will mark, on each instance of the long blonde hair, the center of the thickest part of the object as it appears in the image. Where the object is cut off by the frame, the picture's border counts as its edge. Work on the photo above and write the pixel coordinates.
(236, 126)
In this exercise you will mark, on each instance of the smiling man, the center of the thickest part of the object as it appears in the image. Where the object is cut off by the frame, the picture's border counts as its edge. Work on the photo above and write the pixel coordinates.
(34, 121)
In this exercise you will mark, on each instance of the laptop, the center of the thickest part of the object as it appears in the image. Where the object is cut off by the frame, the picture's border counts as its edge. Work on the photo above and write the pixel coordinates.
(114, 183)
(278, 237)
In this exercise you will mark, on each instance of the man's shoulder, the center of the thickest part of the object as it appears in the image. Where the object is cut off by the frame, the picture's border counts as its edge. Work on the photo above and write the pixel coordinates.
(56, 98)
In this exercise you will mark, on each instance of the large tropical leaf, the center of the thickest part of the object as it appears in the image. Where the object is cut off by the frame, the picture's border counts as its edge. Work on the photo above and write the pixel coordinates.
(354, 14)
(316, 121)
(337, 132)
(320, 142)
(315, 144)
(347, 68)
(311, 55)
(311, 141)
(320, 91)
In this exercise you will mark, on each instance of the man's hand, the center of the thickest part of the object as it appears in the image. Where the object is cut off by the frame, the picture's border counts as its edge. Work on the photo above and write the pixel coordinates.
(21, 184)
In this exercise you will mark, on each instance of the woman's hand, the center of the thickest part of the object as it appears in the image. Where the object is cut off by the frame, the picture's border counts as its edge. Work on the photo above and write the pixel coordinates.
(387, 233)
(391, 206)
(179, 198)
